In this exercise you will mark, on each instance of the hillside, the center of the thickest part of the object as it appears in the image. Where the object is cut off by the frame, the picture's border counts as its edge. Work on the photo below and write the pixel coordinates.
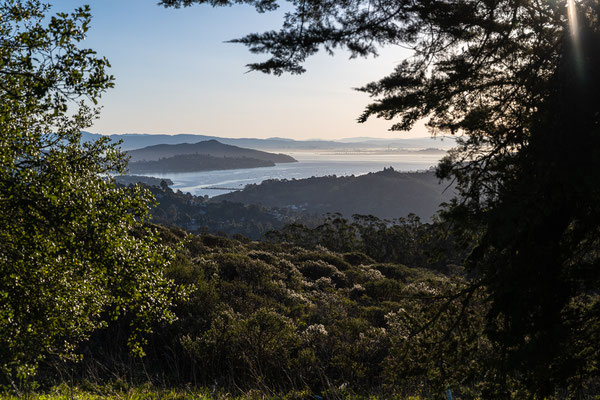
(386, 194)
(196, 163)
(281, 316)
(208, 147)
(197, 214)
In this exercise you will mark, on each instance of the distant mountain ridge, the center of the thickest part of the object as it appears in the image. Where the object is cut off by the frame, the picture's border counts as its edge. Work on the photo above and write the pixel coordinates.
(385, 194)
(136, 141)
(211, 148)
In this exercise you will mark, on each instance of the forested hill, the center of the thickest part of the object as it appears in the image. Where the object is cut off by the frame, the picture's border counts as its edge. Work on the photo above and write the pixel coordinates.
(209, 147)
(386, 194)
(196, 163)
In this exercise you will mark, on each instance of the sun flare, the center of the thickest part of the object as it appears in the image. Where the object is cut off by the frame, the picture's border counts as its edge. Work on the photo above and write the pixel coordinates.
(572, 14)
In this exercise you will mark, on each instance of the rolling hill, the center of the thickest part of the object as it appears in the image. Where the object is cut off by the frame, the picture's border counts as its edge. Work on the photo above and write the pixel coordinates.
(196, 163)
(212, 148)
(385, 194)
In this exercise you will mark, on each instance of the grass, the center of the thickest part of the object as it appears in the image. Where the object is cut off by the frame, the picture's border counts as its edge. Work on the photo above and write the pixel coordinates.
(65, 392)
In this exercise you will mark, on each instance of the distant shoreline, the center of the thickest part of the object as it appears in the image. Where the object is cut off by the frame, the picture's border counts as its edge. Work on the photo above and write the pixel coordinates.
(360, 152)
(222, 188)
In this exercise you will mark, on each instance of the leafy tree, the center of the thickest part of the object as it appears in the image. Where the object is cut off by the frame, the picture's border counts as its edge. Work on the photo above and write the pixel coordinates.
(517, 82)
(73, 249)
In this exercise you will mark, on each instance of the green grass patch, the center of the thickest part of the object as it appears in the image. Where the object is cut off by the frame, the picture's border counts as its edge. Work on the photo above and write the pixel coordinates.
(143, 392)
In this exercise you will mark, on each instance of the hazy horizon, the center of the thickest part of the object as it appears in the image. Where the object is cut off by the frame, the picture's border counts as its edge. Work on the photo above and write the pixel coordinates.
(347, 138)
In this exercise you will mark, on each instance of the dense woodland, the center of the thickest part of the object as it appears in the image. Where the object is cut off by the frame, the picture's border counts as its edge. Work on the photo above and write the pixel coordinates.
(200, 215)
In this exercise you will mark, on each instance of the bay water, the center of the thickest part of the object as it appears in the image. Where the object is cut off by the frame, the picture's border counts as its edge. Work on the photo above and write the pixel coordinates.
(213, 183)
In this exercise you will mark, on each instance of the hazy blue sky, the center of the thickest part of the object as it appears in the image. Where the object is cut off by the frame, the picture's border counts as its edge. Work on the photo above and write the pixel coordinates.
(175, 74)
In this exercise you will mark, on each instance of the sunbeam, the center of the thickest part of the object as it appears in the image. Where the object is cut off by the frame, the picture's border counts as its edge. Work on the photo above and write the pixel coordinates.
(574, 32)
(572, 13)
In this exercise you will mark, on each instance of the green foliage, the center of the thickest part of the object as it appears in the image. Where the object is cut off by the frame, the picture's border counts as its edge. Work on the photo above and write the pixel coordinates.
(199, 214)
(74, 252)
(285, 319)
(366, 238)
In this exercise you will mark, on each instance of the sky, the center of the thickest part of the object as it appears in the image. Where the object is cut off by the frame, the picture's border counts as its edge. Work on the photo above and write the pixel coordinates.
(175, 74)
